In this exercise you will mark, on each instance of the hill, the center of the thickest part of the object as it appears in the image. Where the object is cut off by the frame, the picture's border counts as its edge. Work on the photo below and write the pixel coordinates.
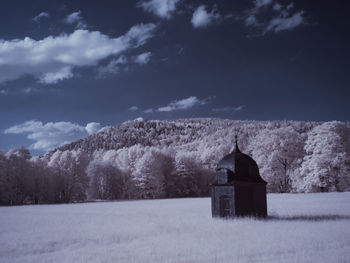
(177, 158)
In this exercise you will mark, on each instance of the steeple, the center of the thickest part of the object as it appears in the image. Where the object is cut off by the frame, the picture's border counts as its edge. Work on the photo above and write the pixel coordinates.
(236, 146)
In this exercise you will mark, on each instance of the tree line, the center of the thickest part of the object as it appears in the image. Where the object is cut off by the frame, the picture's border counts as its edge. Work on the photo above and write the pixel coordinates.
(165, 159)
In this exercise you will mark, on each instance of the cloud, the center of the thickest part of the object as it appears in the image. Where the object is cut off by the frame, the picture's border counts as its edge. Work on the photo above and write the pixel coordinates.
(160, 8)
(93, 127)
(183, 104)
(281, 23)
(272, 16)
(53, 134)
(54, 77)
(201, 18)
(76, 18)
(133, 108)
(118, 64)
(143, 58)
(53, 59)
(262, 3)
(27, 90)
(4, 91)
(113, 67)
(40, 16)
(239, 108)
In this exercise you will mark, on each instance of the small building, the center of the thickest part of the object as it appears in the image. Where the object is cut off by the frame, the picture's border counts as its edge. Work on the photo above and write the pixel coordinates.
(238, 189)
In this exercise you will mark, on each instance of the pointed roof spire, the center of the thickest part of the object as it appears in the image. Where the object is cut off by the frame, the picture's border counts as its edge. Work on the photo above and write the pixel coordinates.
(236, 142)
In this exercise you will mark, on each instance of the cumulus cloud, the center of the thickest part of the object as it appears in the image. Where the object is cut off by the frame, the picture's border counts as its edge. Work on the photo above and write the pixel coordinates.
(93, 127)
(239, 108)
(202, 18)
(76, 18)
(160, 8)
(272, 16)
(53, 59)
(53, 134)
(183, 104)
(143, 58)
(40, 16)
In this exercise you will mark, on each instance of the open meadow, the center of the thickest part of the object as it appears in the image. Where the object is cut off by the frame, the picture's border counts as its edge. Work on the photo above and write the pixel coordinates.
(300, 228)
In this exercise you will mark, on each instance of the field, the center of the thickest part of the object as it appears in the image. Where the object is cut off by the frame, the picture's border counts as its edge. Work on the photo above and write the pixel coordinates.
(300, 228)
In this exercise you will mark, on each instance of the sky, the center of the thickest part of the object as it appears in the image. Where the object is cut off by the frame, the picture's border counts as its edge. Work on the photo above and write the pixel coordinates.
(69, 69)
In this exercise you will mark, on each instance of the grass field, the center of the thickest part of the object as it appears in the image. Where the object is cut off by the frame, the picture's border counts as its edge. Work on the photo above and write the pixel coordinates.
(300, 228)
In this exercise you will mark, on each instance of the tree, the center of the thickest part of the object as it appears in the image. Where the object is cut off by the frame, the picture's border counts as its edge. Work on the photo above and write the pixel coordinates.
(41, 181)
(278, 153)
(3, 181)
(326, 166)
(190, 178)
(106, 181)
(71, 180)
(151, 171)
(15, 176)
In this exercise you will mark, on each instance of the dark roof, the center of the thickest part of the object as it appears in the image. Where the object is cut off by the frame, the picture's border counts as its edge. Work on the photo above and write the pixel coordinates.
(243, 167)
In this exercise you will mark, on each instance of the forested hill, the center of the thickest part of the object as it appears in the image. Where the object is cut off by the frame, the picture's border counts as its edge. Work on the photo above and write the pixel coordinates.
(292, 155)
(175, 133)
(177, 158)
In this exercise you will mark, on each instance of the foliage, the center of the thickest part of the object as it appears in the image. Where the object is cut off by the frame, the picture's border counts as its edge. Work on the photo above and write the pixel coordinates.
(157, 159)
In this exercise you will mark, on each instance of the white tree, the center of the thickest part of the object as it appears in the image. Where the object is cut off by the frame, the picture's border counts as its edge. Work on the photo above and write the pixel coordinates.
(326, 166)
(72, 180)
(151, 171)
(278, 153)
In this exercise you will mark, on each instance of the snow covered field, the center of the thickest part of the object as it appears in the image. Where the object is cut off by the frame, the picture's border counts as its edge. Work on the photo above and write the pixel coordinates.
(301, 228)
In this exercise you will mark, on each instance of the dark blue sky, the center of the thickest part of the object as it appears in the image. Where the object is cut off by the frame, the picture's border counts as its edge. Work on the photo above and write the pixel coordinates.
(91, 61)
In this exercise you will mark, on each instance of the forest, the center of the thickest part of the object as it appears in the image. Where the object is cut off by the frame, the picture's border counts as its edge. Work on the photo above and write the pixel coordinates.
(146, 159)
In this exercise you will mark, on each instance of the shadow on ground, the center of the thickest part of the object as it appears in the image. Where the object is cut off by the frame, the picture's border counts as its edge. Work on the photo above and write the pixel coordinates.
(308, 217)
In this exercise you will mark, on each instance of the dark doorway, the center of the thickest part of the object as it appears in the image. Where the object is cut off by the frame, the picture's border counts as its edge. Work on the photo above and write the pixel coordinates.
(225, 206)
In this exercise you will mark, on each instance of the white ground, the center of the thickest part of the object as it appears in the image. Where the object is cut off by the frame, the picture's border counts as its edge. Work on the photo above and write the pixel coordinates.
(303, 228)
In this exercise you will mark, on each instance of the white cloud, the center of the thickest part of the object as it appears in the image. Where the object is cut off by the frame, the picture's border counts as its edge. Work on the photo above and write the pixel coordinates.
(76, 18)
(239, 108)
(113, 67)
(40, 16)
(53, 59)
(201, 18)
(133, 108)
(148, 111)
(93, 127)
(143, 58)
(160, 8)
(285, 23)
(53, 134)
(54, 77)
(183, 104)
(282, 18)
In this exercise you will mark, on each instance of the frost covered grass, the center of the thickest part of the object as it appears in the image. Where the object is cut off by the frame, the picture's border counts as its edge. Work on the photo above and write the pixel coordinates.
(300, 228)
